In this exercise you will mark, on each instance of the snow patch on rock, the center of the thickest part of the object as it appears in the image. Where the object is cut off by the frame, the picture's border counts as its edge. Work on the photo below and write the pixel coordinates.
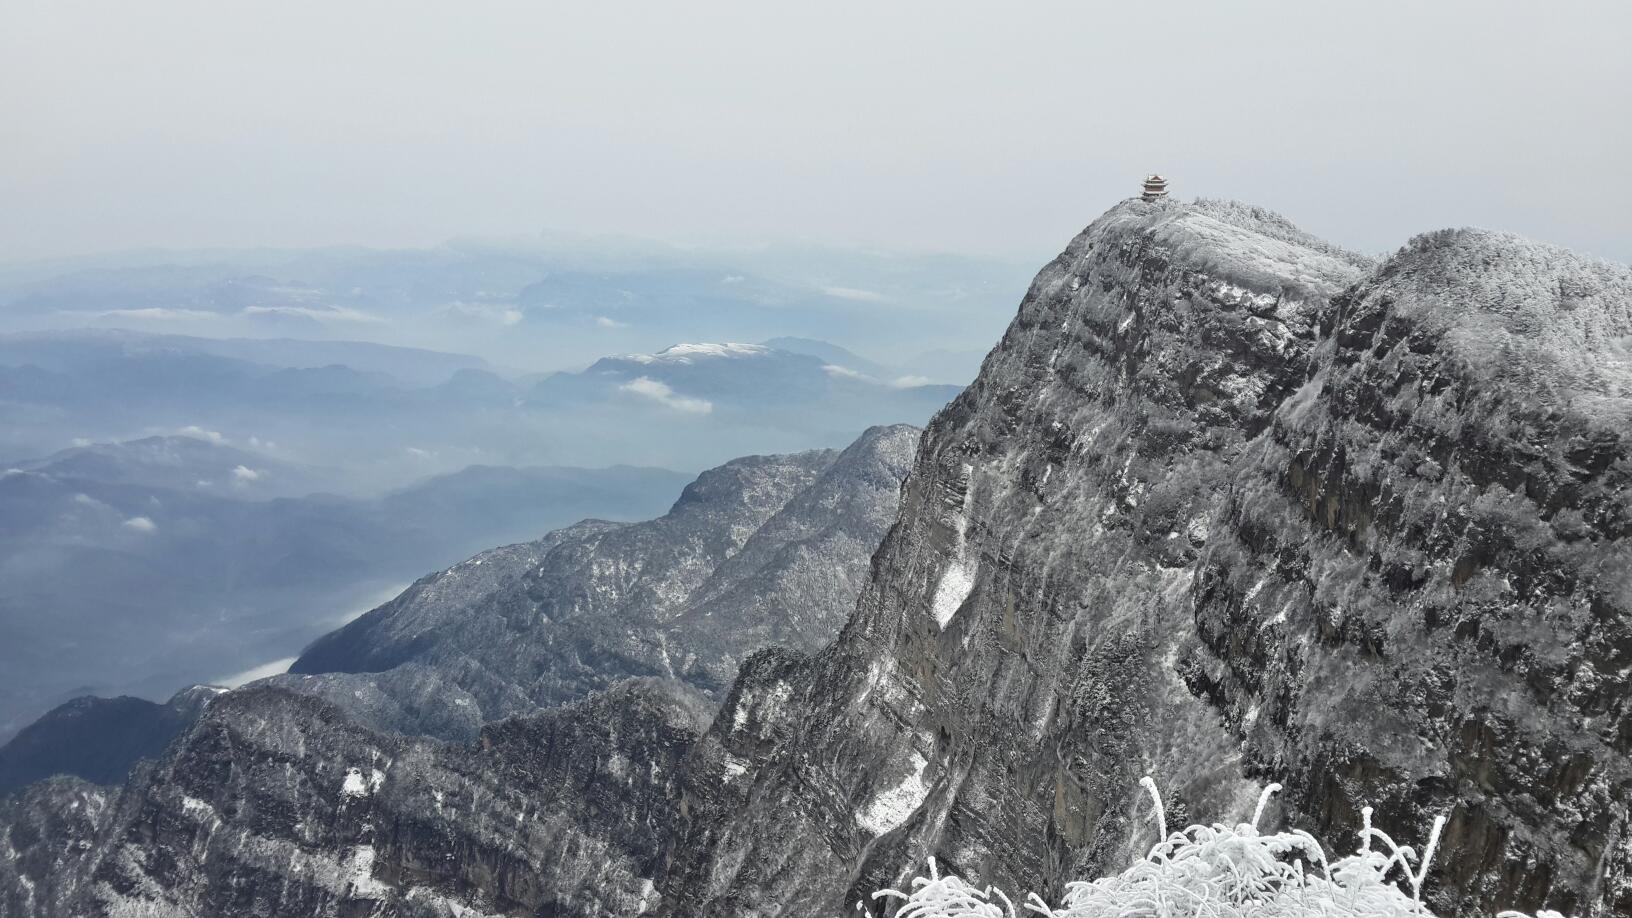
(198, 809)
(958, 579)
(355, 785)
(957, 582)
(358, 874)
(892, 807)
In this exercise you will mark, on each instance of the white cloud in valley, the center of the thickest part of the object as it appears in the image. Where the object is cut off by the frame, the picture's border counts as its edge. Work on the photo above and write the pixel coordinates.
(320, 314)
(158, 314)
(202, 433)
(833, 369)
(141, 524)
(855, 293)
(659, 392)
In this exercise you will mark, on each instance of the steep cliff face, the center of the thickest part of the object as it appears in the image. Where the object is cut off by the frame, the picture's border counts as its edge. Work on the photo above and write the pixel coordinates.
(1009, 676)
(46, 835)
(1226, 505)
(1418, 593)
(277, 804)
(323, 794)
(767, 549)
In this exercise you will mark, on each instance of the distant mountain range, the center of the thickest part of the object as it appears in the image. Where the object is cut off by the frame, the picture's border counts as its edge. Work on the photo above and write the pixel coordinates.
(762, 550)
(389, 416)
(534, 303)
(765, 549)
(141, 567)
(98, 739)
(1227, 505)
(735, 386)
(70, 350)
(177, 508)
(188, 463)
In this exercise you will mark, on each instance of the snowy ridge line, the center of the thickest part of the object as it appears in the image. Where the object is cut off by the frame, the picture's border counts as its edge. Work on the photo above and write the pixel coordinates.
(684, 353)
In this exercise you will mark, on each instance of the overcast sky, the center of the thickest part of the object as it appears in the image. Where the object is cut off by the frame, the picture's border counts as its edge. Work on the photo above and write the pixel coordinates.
(979, 127)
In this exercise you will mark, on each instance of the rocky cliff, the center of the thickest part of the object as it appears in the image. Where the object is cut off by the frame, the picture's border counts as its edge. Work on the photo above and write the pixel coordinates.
(1418, 589)
(1010, 671)
(277, 803)
(1225, 505)
(403, 789)
(762, 550)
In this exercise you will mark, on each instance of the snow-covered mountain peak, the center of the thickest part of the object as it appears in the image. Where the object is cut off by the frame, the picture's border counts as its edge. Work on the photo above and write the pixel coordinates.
(687, 353)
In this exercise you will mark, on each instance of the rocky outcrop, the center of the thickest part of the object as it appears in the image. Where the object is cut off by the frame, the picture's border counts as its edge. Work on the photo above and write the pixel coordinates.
(1226, 505)
(1418, 591)
(277, 804)
(410, 699)
(762, 550)
(1008, 675)
(330, 794)
(48, 833)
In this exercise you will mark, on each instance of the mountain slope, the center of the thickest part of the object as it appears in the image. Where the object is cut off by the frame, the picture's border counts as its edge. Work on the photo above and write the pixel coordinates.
(98, 739)
(1418, 595)
(276, 803)
(830, 354)
(112, 583)
(1226, 503)
(300, 795)
(1002, 685)
(767, 549)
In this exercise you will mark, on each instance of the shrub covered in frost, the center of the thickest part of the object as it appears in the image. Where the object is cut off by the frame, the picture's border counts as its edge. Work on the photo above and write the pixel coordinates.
(1215, 871)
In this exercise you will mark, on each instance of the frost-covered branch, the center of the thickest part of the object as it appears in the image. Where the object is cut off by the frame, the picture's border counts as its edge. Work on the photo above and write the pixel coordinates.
(1214, 871)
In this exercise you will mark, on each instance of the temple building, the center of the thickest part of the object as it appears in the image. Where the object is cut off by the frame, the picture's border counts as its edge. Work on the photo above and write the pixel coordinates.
(1155, 188)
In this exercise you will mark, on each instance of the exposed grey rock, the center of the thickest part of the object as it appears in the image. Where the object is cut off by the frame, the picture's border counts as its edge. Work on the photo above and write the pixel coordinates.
(767, 549)
(278, 804)
(1418, 592)
(1007, 677)
(1221, 506)
(298, 795)
(1226, 505)
(47, 834)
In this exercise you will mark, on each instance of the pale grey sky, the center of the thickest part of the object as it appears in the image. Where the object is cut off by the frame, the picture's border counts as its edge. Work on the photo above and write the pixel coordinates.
(981, 127)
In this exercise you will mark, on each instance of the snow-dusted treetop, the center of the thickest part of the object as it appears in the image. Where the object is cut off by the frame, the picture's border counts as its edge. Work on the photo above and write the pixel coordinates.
(1215, 871)
(1507, 305)
(1248, 246)
(1266, 222)
(1502, 304)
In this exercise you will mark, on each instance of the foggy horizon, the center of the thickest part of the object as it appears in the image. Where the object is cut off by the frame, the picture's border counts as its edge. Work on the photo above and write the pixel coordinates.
(729, 459)
(184, 125)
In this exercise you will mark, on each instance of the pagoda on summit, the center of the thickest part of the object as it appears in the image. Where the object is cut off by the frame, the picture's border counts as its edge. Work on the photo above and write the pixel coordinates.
(1155, 188)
